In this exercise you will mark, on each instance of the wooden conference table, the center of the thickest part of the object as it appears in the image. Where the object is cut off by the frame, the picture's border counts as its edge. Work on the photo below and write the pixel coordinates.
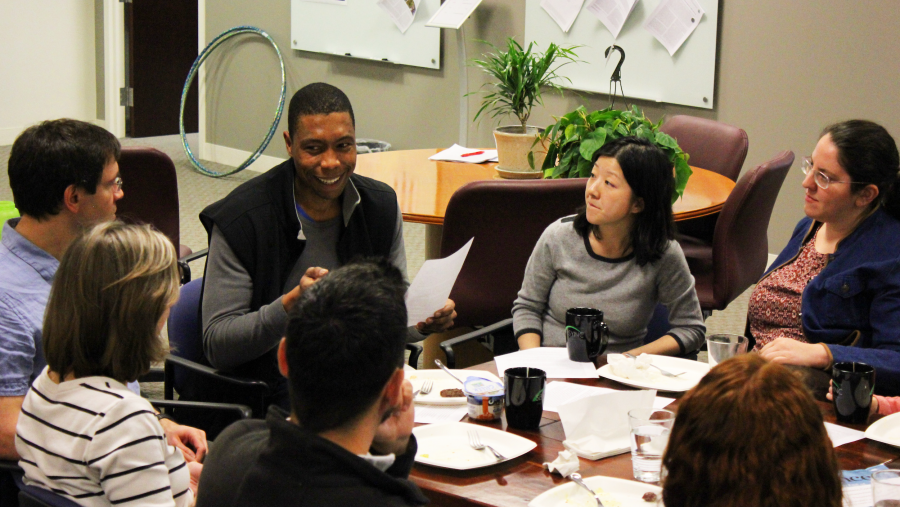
(424, 187)
(518, 481)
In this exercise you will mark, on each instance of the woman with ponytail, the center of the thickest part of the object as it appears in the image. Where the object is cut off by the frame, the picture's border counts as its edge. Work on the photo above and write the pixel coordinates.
(833, 294)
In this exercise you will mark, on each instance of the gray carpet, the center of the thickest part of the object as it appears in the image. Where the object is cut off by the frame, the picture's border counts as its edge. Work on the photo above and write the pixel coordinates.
(197, 191)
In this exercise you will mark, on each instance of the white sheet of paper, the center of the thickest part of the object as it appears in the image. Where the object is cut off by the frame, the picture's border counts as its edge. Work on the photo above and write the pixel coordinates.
(553, 360)
(563, 12)
(559, 393)
(840, 435)
(858, 496)
(434, 414)
(428, 293)
(673, 21)
(399, 12)
(612, 13)
(453, 13)
(455, 154)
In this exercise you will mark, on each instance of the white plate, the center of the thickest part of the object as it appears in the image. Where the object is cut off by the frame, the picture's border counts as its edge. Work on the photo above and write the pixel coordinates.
(616, 493)
(694, 371)
(885, 430)
(443, 381)
(447, 445)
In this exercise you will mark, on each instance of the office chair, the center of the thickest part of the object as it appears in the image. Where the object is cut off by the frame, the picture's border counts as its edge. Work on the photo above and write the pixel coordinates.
(737, 255)
(711, 145)
(506, 218)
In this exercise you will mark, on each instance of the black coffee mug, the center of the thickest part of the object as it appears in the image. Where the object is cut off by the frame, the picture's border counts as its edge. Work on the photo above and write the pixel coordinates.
(586, 334)
(852, 388)
(524, 397)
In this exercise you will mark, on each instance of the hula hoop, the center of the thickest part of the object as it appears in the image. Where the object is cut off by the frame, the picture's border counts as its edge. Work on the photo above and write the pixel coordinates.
(190, 78)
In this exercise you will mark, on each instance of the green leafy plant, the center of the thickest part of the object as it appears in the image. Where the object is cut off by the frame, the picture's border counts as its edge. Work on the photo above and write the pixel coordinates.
(575, 137)
(518, 76)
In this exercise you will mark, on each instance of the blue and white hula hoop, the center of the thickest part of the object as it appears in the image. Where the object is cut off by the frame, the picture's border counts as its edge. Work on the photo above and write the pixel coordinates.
(231, 32)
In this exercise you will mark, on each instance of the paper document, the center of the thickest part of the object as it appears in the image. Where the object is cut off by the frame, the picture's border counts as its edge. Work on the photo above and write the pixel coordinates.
(563, 12)
(559, 393)
(612, 13)
(857, 486)
(402, 12)
(457, 153)
(434, 414)
(840, 435)
(428, 293)
(553, 360)
(673, 21)
(453, 13)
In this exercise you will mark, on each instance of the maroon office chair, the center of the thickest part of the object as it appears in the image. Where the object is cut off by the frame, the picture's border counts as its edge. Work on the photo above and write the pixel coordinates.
(506, 218)
(713, 146)
(151, 192)
(738, 253)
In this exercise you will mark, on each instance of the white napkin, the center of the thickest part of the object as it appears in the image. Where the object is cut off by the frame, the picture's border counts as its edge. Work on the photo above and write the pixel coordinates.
(565, 465)
(597, 426)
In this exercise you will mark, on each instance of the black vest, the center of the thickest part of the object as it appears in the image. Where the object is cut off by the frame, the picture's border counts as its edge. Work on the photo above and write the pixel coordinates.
(259, 221)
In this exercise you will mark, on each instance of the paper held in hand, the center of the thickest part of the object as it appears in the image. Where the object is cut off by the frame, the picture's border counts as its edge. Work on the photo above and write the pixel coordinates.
(428, 293)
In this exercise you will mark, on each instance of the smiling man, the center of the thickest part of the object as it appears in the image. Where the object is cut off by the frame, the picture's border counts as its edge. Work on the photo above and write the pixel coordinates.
(275, 235)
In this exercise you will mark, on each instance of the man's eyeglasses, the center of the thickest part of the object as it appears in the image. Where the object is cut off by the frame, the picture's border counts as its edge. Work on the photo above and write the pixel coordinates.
(822, 179)
(117, 184)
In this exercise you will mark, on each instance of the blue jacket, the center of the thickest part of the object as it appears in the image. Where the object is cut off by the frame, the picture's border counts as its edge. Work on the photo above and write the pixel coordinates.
(853, 305)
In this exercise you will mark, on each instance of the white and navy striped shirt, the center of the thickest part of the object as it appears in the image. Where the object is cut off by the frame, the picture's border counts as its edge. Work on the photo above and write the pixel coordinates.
(94, 441)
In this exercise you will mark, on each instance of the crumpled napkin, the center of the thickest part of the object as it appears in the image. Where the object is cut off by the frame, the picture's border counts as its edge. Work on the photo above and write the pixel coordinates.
(565, 465)
(597, 426)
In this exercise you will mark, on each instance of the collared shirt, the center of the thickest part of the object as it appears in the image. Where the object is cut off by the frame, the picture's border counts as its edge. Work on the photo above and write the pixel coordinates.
(26, 274)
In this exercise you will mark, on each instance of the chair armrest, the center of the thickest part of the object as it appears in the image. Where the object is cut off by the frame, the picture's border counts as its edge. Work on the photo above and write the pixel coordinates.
(478, 333)
(186, 268)
(415, 350)
(207, 372)
(242, 410)
(10, 465)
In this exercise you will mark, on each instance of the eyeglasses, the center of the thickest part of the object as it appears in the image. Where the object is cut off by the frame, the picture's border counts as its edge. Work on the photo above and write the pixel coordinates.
(822, 179)
(117, 184)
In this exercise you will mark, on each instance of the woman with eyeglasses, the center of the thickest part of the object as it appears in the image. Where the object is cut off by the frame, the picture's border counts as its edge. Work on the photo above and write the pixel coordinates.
(833, 294)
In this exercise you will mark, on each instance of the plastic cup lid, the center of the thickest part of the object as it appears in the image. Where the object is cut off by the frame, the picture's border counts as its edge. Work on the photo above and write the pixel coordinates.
(478, 386)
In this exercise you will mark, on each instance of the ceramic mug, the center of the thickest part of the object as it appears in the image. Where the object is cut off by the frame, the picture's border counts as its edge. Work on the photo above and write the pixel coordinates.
(586, 334)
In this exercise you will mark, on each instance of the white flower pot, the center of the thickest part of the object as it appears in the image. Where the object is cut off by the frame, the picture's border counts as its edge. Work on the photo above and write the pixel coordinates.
(512, 152)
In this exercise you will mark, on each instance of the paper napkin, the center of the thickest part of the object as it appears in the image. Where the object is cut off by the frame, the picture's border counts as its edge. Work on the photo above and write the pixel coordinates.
(597, 426)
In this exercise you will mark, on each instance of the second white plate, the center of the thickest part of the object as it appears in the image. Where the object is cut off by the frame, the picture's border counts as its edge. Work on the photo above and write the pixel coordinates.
(885, 430)
(693, 372)
(618, 492)
(443, 381)
(447, 445)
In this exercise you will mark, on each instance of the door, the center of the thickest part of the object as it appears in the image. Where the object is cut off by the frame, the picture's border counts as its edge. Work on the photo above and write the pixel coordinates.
(161, 46)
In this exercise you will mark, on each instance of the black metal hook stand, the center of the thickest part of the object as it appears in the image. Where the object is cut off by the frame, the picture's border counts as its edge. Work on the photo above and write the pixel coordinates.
(615, 81)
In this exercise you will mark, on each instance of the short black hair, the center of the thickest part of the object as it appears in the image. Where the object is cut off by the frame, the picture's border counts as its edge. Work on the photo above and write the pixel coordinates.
(317, 98)
(651, 177)
(345, 339)
(48, 157)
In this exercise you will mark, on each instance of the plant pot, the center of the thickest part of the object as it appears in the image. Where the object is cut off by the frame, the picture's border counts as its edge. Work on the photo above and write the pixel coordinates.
(512, 152)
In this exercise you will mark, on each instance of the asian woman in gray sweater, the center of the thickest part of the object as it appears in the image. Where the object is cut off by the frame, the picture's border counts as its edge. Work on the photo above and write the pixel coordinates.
(617, 254)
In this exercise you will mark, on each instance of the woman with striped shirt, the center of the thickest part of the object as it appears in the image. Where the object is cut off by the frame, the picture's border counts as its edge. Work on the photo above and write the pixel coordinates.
(82, 433)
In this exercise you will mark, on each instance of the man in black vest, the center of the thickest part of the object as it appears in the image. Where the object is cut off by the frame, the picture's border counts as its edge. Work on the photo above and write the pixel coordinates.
(275, 235)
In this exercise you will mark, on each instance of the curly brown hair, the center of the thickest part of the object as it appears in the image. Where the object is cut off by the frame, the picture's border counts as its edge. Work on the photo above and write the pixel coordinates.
(750, 435)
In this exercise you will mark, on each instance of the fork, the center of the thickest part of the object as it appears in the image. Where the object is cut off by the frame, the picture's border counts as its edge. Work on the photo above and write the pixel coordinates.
(576, 478)
(664, 372)
(426, 388)
(475, 442)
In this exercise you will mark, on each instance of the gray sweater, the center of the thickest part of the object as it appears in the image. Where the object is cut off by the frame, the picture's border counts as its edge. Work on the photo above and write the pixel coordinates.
(564, 272)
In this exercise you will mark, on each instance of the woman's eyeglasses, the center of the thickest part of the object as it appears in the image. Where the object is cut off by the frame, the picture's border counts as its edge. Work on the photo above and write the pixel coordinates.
(822, 179)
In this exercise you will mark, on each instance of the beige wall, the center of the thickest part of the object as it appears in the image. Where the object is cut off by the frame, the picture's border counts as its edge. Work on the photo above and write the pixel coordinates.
(785, 70)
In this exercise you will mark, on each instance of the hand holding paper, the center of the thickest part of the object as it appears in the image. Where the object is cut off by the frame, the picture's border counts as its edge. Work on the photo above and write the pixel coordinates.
(432, 286)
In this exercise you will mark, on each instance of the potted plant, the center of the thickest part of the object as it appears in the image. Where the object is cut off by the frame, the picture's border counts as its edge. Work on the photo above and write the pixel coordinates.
(575, 137)
(519, 74)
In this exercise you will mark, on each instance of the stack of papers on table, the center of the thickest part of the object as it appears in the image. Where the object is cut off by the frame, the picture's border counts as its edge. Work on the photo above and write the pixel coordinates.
(559, 393)
(553, 360)
(457, 153)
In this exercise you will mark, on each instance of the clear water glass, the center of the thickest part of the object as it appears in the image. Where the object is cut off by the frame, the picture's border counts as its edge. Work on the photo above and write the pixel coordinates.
(724, 346)
(650, 430)
(886, 488)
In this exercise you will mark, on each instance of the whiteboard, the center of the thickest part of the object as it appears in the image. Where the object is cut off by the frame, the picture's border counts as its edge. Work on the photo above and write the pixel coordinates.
(362, 29)
(649, 72)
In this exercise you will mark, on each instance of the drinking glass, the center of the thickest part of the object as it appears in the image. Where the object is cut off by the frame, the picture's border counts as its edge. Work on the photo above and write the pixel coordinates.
(724, 346)
(650, 430)
(886, 488)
